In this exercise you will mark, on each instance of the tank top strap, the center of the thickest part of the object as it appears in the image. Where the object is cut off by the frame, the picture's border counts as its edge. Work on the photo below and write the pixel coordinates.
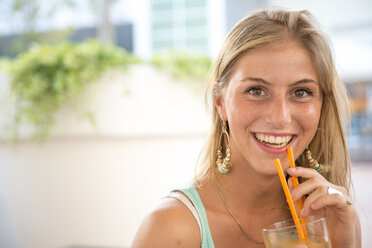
(193, 195)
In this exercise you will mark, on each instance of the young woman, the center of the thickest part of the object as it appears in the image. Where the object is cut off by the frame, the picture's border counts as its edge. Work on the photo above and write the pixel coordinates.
(273, 85)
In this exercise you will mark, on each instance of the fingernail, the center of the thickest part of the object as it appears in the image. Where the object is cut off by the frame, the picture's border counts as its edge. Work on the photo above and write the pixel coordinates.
(292, 169)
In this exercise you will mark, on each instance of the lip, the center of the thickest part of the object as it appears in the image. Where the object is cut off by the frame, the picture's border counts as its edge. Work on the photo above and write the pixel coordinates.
(273, 150)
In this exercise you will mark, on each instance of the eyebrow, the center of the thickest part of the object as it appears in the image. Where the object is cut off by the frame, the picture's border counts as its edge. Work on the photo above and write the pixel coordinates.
(260, 80)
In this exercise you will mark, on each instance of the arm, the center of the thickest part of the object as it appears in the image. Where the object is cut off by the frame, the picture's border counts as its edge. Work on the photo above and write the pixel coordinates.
(170, 224)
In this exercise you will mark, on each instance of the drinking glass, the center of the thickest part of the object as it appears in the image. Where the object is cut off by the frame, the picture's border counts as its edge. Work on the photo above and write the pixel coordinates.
(284, 234)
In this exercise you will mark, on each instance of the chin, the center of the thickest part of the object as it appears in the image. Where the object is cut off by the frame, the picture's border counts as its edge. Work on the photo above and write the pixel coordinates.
(269, 169)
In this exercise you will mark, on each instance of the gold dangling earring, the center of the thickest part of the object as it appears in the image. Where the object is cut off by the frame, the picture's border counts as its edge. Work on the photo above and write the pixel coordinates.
(313, 163)
(224, 164)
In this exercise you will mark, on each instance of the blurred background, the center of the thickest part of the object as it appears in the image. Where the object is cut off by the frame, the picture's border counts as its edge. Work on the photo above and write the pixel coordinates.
(102, 110)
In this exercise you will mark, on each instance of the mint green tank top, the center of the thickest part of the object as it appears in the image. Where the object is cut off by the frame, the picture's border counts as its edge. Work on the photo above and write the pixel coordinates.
(193, 195)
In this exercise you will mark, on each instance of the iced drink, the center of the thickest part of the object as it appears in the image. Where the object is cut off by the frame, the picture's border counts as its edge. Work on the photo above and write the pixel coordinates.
(284, 235)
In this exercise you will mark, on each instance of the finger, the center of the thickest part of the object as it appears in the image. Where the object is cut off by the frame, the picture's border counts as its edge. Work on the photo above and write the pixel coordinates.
(290, 184)
(312, 198)
(303, 172)
(308, 187)
(335, 200)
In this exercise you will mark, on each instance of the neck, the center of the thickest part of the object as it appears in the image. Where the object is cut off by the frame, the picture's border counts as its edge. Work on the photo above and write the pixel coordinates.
(252, 191)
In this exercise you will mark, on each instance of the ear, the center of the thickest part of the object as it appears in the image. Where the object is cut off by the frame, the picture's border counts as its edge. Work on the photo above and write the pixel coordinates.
(220, 106)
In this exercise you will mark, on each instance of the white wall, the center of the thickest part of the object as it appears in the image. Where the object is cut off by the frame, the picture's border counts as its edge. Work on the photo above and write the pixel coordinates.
(92, 186)
(91, 191)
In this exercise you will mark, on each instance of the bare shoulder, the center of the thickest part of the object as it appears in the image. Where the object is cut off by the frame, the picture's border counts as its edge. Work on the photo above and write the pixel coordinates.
(170, 224)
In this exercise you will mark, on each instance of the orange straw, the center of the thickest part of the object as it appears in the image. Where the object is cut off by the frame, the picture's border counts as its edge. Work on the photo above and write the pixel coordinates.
(279, 168)
(295, 182)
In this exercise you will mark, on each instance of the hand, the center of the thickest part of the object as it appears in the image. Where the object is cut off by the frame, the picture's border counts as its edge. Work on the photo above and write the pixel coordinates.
(341, 216)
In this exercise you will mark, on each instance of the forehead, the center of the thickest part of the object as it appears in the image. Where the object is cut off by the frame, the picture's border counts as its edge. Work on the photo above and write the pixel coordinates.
(279, 61)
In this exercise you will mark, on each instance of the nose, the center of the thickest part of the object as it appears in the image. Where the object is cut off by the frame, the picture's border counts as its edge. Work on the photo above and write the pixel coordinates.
(278, 114)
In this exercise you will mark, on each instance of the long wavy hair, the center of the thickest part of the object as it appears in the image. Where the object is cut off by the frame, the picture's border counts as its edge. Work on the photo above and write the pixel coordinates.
(261, 28)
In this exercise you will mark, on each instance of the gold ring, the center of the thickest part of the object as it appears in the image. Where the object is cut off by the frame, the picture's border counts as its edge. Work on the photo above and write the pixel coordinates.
(349, 203)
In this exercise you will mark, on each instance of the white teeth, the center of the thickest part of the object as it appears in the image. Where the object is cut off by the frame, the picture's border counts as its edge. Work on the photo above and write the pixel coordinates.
(275, 146)
(273, 141)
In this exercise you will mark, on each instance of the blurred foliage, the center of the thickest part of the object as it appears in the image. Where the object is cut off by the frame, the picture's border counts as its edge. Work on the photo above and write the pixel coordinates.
(25, 16)
(47, 76)
(4, 64)
(186, 66)
(47, 73)
(29, 12)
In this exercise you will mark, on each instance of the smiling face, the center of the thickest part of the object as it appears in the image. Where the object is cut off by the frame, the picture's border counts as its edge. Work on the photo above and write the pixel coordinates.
(272, 101)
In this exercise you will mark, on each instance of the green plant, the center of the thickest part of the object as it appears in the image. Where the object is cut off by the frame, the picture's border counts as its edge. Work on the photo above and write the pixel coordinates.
(4, 64)
(186, 66)
(47, 76)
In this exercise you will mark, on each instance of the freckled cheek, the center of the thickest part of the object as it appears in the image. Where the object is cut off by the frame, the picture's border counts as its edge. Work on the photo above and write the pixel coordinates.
(245, 114)
(309, 117)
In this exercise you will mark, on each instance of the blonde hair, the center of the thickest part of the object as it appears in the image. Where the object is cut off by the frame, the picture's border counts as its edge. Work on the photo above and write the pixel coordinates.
(262, 28)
